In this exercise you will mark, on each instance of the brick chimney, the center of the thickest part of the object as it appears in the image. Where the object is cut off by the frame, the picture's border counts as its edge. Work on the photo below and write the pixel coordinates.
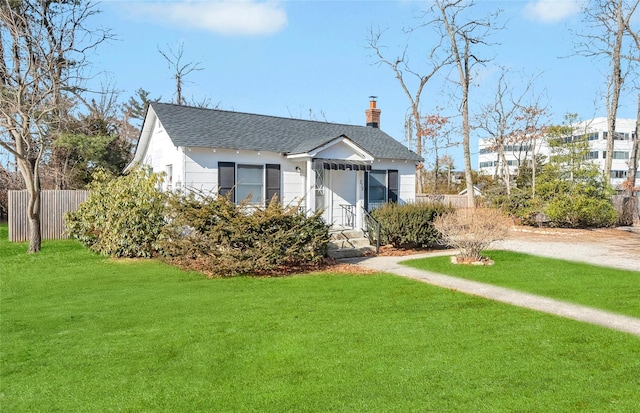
(373, 114)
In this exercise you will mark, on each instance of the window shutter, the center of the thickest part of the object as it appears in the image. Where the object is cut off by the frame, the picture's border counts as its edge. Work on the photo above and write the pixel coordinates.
(227, 179)
(392, 185)
(272, 182)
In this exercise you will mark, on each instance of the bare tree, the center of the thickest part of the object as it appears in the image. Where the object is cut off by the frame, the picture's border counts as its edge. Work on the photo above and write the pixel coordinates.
(533, 120)
(501, 121)
(180, 69)
(9, 180)
(405, 73)
(465, 34)
(635, 151)
(43, 45)
(634, 157)
(607, 22)
(434, 131)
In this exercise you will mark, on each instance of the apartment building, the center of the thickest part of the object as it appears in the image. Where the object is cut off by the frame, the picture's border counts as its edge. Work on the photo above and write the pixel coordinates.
(596, 132)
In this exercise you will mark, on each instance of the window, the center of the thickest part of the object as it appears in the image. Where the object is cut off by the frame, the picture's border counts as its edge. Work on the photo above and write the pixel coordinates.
(382, 186)
(169, 172)
(618, 174)
(592, 155)
(620, 155)
(377, 187)
(250, 183)
(253, 182)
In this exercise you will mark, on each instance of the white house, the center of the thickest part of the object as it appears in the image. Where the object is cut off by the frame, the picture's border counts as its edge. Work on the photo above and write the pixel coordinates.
(341, 169)
(596, 132)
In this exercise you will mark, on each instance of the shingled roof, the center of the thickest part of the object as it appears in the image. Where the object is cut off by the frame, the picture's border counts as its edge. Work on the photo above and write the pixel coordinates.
(212, 128)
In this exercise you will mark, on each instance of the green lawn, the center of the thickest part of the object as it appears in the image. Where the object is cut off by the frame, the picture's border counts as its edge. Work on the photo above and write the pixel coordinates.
(81, 333)
(600, 287)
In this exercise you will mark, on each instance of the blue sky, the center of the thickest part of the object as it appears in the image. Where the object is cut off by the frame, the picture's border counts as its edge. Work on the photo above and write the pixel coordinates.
(310, 58)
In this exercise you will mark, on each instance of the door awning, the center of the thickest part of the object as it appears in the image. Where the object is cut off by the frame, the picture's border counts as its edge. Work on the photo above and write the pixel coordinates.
(341, 165)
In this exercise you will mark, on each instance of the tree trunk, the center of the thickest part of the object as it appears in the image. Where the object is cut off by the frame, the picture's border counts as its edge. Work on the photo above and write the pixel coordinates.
(29, 173)
(505, 172)
(471, 196)
(633, 157)
(534, 170)
(616, 85)
(35, 235)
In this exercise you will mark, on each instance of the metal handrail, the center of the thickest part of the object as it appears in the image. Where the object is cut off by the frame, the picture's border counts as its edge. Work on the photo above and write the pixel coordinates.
(368, 218)
(348, 215)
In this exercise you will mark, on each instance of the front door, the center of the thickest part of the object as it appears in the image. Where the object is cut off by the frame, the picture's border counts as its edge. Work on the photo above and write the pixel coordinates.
(343, 202)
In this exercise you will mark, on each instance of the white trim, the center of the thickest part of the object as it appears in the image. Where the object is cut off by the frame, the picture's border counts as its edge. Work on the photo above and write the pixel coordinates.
(366, 156)
(148, 128)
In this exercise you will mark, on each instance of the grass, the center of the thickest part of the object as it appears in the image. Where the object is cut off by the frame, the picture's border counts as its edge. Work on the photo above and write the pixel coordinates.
(605, 288)
(84, 333)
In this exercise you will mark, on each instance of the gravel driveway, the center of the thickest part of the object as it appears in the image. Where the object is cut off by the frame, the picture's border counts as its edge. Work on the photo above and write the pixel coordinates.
(619, 247)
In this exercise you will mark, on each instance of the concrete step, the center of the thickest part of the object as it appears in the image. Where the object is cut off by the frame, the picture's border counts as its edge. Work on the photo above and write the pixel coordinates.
(349, 243)
(345, 234)
(351, 252)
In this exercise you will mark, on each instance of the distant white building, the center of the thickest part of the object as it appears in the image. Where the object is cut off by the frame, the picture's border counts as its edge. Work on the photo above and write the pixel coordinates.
(596, 130)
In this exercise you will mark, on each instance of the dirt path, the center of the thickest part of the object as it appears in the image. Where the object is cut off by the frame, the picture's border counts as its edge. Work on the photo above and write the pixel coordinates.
(619, 248)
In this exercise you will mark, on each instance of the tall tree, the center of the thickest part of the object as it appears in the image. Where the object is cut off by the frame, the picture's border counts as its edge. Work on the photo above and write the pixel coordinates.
(500, 120)
(634, 158)
(100, 138)
(407, 75)
(175, 60)
(465, 33)
(533, 119)
(607, 22)
(433, 130)
(44, 45)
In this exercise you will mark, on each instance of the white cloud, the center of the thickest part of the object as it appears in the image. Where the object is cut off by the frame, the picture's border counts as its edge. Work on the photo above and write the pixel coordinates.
(552, 11)
(228, 17)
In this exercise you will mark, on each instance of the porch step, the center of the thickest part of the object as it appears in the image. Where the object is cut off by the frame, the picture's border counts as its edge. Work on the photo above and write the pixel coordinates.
(349, 243)
(342, 234)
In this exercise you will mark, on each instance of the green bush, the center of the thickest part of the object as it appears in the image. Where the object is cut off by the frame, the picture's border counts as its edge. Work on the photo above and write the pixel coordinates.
(408, 225)
(580, 211)
(123, 217)
(213, 235)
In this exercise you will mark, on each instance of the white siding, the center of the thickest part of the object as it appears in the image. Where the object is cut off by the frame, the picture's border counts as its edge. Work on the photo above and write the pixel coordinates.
(201, 169)
(162, 152)
(406, 177)
(339, 151)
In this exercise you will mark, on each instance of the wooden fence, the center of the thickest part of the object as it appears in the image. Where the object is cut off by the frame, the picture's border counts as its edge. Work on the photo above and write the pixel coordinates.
(53, 205)
(454, 201)
(628, 209)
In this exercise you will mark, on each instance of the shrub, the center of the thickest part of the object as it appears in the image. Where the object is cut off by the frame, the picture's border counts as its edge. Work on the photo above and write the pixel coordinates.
(123, 217)
(472, 230)
(408, 225)
(213, 235)
(580, 211)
